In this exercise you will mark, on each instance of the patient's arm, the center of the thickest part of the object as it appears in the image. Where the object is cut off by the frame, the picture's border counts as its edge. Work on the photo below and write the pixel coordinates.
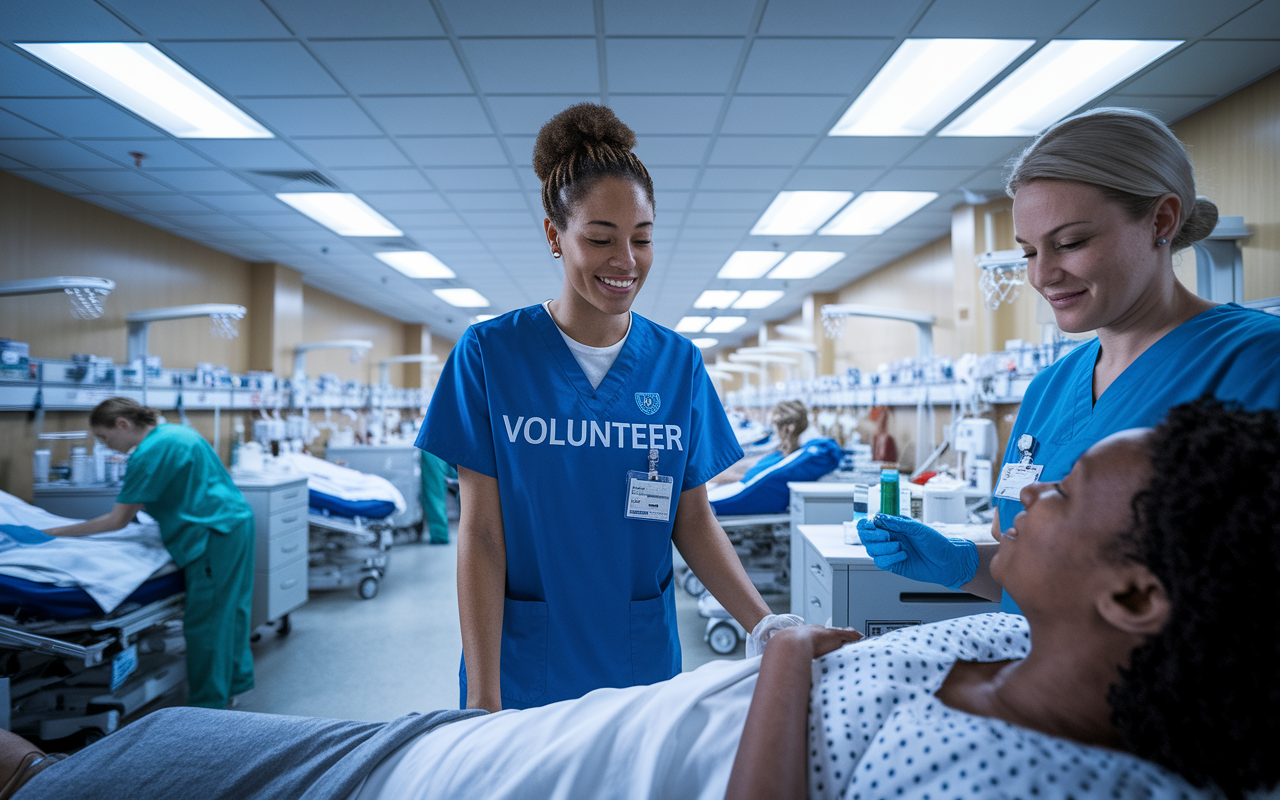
(482, 581)
(772, 758)
(121, 514)
(983, 585)
(709, 554)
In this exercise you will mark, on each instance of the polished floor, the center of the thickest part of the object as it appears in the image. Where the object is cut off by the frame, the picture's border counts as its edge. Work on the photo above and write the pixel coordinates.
(377, 659)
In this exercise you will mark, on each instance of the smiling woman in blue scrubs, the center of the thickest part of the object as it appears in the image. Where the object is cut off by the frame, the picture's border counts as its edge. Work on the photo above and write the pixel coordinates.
(583, 435)
(1101, 202)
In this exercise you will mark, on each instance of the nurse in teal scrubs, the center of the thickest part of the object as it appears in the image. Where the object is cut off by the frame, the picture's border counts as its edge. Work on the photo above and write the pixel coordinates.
(206, 526)
(1101, 202)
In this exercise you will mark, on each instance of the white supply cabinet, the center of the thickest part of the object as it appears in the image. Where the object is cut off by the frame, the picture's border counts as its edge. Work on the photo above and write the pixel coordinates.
(280, 561)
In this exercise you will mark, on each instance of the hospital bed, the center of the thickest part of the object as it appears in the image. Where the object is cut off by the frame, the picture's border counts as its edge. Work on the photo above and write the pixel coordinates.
(69, 668)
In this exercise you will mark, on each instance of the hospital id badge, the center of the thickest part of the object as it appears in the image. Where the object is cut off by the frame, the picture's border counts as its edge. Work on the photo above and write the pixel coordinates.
(1015, 476)
(649, 499)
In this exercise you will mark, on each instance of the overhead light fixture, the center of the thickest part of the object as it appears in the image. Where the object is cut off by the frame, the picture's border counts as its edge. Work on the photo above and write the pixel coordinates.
(799, 213)
(343, 213)
(1063, 76)
(724, 324)
(748, 264)
(150, 84)
(462, 298)
(416, 264)
(703, 342)
(923, 82)
(484, 317)
(716, 298)
(806, 264)
(873, 213)
(691, 324)
(758, 298)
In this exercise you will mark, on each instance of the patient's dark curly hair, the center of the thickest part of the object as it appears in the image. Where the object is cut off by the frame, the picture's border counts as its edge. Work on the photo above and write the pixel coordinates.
(576, 148)
(1201, 697)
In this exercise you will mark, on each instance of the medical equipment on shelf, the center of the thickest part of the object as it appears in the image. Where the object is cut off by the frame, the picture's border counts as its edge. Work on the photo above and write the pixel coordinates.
(944, 501)
(222, 325)
(298, 383)
(86, 293)
(975, 441)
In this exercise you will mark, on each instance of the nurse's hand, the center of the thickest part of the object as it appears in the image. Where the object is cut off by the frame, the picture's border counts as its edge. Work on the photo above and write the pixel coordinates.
(914, 550)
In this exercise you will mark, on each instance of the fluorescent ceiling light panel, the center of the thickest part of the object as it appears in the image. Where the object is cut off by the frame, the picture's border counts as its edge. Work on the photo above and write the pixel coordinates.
(344, 214)
(749, 264)
(462, 298)
(758, 298)
(806, 264)
(703, 342)
(150, 84)
(1063, 76)
(923, 82)
(485, 317)
(716, 298)
(416, 264)
(691, 324)
(799, 213)
(724, 324)
(873, 213)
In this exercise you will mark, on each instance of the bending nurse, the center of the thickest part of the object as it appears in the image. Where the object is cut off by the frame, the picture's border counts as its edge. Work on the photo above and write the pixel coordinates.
(206, 525)
(583, 435)
(1101, 202)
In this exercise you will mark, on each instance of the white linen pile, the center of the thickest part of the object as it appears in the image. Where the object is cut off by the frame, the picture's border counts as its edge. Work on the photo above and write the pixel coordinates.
(344, 483)
(108, 566)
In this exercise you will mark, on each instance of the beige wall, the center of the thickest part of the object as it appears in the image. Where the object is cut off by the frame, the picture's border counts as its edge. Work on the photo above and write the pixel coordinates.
(325, 317)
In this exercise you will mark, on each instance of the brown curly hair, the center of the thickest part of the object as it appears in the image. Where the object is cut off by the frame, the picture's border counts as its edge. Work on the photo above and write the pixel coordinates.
(576, 148)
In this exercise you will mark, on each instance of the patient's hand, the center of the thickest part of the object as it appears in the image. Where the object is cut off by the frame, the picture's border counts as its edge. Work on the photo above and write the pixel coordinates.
(820, 640)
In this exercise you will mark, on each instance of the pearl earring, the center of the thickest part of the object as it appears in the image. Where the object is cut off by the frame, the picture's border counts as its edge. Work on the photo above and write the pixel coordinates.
(555, 253)
(1161, 242)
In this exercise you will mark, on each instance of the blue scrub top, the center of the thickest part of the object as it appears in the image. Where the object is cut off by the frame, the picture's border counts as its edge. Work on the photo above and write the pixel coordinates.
(590, 599)
(1230, 352)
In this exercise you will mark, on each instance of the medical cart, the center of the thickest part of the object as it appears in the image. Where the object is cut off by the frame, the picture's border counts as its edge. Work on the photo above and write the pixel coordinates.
(75, 500)
(279, 504)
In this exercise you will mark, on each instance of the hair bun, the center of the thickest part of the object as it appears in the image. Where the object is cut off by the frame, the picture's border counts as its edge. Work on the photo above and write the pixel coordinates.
(583, 127)
(1200, 222)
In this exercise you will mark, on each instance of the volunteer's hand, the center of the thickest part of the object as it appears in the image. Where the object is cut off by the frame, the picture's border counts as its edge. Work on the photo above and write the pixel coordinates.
(766, 628)
(913, 550)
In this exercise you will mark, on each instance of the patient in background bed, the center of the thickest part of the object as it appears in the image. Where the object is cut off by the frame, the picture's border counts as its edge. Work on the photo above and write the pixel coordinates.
(788, 419)
(1150, 579)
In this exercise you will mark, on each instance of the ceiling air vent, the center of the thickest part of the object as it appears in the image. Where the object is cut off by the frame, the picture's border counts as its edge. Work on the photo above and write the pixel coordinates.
(294, 180)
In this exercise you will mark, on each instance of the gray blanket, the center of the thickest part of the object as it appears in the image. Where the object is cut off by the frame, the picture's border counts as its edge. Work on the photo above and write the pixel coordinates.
(202, 754)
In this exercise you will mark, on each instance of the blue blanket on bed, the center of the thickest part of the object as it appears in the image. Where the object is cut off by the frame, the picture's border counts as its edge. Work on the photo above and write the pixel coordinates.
(764, 490)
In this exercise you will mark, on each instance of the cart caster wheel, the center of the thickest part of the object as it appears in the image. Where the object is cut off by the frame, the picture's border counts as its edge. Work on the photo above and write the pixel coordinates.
(368, 588)
(255, 637)
(723, 639)
(283, 626)
(692, 585)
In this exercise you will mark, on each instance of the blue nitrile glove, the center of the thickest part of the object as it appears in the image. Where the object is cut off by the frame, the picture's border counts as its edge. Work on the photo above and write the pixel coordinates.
(913, 550)
(23, 534)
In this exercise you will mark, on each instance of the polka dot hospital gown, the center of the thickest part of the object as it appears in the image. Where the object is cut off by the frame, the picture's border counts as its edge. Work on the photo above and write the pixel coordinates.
(876, 730)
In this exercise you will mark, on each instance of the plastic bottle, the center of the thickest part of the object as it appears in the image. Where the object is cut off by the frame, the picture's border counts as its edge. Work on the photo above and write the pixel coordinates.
(81, 466)
(889, 491)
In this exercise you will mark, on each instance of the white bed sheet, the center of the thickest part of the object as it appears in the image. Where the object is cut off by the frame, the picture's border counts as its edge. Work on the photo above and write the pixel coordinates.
(108, 566)
(343, 482)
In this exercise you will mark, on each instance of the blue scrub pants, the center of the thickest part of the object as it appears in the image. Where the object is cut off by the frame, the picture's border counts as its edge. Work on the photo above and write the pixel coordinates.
(216, 618)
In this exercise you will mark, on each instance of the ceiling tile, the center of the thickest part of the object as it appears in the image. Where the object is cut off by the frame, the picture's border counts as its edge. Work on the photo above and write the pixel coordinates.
(1260, 21)
(661, 17)
(79, 117)
(455, 151)
(394, 66)
(353, 152)
(998, 19)
(244, 69)
(847, 179)
(837, 17)
(342, 19)
(419, 116)
(564, 66)
(525, 18)
(860, 151)
(200, 180)
(1206, 68)
(721, 219)
(655, 66)
(675, 114)
(9, 163)
(773, 151)
(51, 180)
(384, 180)
(485, 219)
(248, 203)
(963, 151)
(251, 153)
(22, 76)
(225, 19)
(113, 180)
(733, 201)
(159, 153)
(476, 178)
(12, 127)
(1178, 19)
(1168, 109)
(924, 180)
(209, 222)
(781, 114)
(665, 199)
(680, 151)
(313, 116)
(108, 202)
(62, 21)
(989, 182)
(527, 114)
(404, 201)
(166, 202)
(673, 177)
(744, 178)
(488, 201)
(276, 222)
(812, 66)
(53, 154)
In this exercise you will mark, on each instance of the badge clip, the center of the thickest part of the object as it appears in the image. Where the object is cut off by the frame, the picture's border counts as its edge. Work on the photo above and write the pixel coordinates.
(653, 464)
(1027, 446)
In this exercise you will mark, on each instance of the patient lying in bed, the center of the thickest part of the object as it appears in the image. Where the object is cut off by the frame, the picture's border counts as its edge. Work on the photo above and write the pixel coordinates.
(1124, 693)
